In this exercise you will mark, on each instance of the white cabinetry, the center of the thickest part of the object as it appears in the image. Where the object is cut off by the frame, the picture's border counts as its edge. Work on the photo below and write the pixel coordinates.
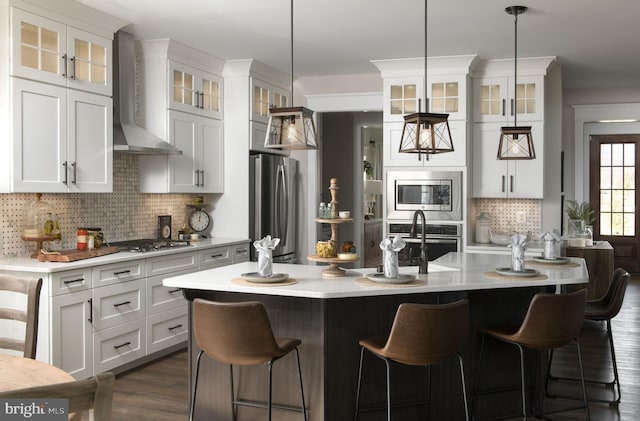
(257, 87)
(497, 178)
(537, 106)
(56, 107)
(183, 104)
(53, 52)
(199, 169)
(195, 91)
(448, 93)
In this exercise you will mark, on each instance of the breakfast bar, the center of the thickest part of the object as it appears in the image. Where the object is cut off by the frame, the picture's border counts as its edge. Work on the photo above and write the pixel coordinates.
(331, 315)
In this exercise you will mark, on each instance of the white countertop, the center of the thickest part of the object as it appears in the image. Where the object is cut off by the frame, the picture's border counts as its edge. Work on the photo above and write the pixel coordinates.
(27, 264)
(452, 272)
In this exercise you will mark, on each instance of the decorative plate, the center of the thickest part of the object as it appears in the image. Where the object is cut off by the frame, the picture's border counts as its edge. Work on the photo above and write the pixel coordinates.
(523, 273)
(401, 279)
(556, 261)
(257, 278)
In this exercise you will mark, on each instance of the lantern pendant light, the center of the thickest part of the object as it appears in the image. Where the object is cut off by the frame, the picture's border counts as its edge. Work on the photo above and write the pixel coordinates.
(292, 127)
(516, 141)
(424, 132)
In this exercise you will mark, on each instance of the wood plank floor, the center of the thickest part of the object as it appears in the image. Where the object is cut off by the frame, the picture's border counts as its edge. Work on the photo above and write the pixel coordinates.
(158, 391)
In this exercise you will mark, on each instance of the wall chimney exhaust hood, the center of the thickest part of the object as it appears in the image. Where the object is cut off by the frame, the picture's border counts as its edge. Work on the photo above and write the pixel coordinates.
(127, 136)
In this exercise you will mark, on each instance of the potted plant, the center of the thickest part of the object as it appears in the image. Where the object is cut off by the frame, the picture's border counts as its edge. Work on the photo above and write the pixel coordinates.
(580, 215)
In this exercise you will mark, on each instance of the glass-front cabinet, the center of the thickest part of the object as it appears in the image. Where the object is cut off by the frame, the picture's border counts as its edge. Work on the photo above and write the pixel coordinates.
(264, 96)
(495, 100)
(401, 97)
(194, 91)
(52, 52)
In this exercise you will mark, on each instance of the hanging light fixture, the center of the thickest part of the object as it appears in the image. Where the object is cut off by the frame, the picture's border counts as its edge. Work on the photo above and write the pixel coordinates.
(516, 141)
(426, 132)
(293, 127)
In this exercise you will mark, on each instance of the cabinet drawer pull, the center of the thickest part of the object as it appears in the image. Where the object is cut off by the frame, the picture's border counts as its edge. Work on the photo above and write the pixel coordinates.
(122, 272)
(243, 251)
(64, 72)
(503, 184)
(513, 110)
(66, 173)
(90, 319)
(175, 327)
(171, 291)
(215, 256)
(122, 304)
(197, 178)
(202, 174)
(504, 106)
(75, 172)
(511, 183)
(73, 281)
(121, 345)
(73, 67)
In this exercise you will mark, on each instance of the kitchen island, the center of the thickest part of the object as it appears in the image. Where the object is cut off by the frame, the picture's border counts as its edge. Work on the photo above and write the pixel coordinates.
(330, 315)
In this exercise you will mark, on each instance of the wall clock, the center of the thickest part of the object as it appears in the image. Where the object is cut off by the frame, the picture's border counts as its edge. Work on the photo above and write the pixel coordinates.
(199, 220)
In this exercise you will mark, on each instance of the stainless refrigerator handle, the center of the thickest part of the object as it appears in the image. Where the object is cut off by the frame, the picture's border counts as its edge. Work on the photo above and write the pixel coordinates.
(281, 192)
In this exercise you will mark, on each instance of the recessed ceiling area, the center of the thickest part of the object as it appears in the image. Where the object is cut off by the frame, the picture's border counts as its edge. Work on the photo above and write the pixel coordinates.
(596, 42)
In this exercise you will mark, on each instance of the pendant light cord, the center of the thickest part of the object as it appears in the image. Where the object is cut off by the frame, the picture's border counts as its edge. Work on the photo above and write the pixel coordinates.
(426, 100)
(291, 17)
(515, 73)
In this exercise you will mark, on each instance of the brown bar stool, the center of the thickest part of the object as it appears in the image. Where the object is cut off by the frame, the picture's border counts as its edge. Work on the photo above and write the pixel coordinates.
(604, 309)
(552, 320)
(240, 333)
(421, 335)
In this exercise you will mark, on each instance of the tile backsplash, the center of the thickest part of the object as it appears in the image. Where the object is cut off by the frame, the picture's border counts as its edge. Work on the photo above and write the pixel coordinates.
(124, 214)
(504, 215)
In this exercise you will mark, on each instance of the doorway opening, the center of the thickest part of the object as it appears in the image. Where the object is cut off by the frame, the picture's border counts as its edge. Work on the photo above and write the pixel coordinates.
(614, 177)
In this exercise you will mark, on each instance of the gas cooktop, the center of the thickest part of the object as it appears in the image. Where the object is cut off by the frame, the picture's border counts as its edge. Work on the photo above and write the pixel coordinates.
(144, 245)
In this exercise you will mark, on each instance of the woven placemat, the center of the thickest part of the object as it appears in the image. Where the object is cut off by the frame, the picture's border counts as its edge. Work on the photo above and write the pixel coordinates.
(496, 275)
(370, 283)
(552, 265)
(244, 282)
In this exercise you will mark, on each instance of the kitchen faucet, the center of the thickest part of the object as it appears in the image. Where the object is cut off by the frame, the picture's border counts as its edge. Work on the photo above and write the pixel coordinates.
(424, 257)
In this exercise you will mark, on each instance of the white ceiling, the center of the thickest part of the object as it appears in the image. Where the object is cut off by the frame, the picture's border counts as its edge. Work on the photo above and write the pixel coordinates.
(596, 41)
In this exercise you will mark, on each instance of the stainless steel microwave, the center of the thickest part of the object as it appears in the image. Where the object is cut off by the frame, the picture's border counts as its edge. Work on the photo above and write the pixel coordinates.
(437, 193)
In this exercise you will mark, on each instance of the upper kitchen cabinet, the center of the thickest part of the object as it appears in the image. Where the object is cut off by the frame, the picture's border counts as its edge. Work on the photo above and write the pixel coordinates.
(257, 88)
(514, 179)
(264, 96)
(448, 91)
(52, 52)
(55, 98)
(538, 105)
(198, 169)
(180, 96)
(495, 100)
(195, 91)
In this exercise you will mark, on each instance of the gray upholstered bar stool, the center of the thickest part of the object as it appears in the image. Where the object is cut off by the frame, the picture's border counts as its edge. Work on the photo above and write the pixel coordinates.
(421, 335)
(604, 309)
(552, 321)
(240, 334)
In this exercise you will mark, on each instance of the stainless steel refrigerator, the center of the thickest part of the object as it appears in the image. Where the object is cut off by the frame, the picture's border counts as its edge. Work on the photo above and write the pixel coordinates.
(272, 194)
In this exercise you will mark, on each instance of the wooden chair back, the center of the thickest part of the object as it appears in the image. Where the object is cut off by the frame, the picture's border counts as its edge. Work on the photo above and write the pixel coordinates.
(28, 314)
(94, 394)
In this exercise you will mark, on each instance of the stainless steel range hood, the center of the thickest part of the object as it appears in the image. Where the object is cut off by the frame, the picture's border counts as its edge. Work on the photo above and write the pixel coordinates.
(127, 136)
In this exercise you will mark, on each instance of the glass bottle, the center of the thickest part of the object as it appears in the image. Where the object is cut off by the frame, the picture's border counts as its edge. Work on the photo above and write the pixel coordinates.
(322, 210)
(588, 235)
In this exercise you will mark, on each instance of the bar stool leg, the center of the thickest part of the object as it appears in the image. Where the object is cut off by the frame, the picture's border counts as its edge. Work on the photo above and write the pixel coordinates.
(524, 393)
(584, 388)
(464, 387)
(304, 408)
(386, 361)
(359, 384)
(616, 380)
(477, 389)
(195, 386)
(234, 410)
(270, 365)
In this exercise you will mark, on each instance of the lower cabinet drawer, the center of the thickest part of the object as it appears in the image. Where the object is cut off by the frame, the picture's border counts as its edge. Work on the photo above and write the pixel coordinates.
(118, 345)
(118, 303)
(167, 329)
